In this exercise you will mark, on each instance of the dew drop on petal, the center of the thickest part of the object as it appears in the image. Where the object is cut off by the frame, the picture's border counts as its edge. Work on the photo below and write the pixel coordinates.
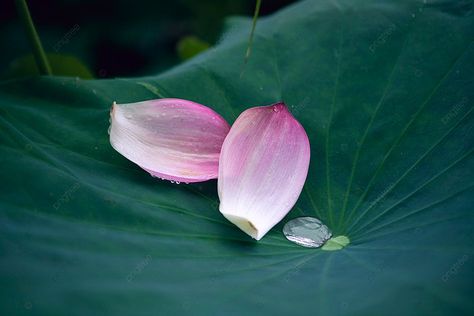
(307, 232)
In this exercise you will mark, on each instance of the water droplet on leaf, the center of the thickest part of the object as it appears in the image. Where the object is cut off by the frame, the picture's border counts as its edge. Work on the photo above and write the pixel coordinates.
(307, 232)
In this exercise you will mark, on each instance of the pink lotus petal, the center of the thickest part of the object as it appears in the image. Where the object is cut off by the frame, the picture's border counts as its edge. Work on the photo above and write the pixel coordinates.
(172, 139)
(262, 168)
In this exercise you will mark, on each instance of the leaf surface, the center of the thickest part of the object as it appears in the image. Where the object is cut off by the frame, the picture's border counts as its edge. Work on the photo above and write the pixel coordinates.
(385, 92)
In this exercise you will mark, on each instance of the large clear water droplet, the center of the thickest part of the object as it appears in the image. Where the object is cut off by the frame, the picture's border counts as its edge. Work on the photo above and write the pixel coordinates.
(307, 232)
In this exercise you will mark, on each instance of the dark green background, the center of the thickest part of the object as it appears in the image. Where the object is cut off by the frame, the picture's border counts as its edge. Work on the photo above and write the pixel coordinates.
(118, 37)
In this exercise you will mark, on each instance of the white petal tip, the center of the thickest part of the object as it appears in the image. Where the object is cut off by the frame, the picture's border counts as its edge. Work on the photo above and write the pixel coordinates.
(245, 225)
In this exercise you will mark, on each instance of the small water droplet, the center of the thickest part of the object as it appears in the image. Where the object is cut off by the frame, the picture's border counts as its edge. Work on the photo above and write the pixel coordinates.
(177, 182)
(172, 181)
(307, 232)
(186, 182)
(108, 130)
(413, 15)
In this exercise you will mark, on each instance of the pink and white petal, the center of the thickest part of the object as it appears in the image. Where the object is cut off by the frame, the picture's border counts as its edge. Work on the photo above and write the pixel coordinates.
(173, 139)
(262, 168)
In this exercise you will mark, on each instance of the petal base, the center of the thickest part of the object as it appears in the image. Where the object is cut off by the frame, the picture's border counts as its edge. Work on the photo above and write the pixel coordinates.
(244, 224)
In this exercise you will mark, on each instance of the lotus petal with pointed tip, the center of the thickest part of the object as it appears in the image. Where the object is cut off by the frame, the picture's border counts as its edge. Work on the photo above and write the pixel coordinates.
(173, 139)
(262, 168)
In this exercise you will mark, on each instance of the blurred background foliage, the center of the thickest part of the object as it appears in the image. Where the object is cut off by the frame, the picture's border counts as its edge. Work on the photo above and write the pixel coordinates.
(106, 39)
